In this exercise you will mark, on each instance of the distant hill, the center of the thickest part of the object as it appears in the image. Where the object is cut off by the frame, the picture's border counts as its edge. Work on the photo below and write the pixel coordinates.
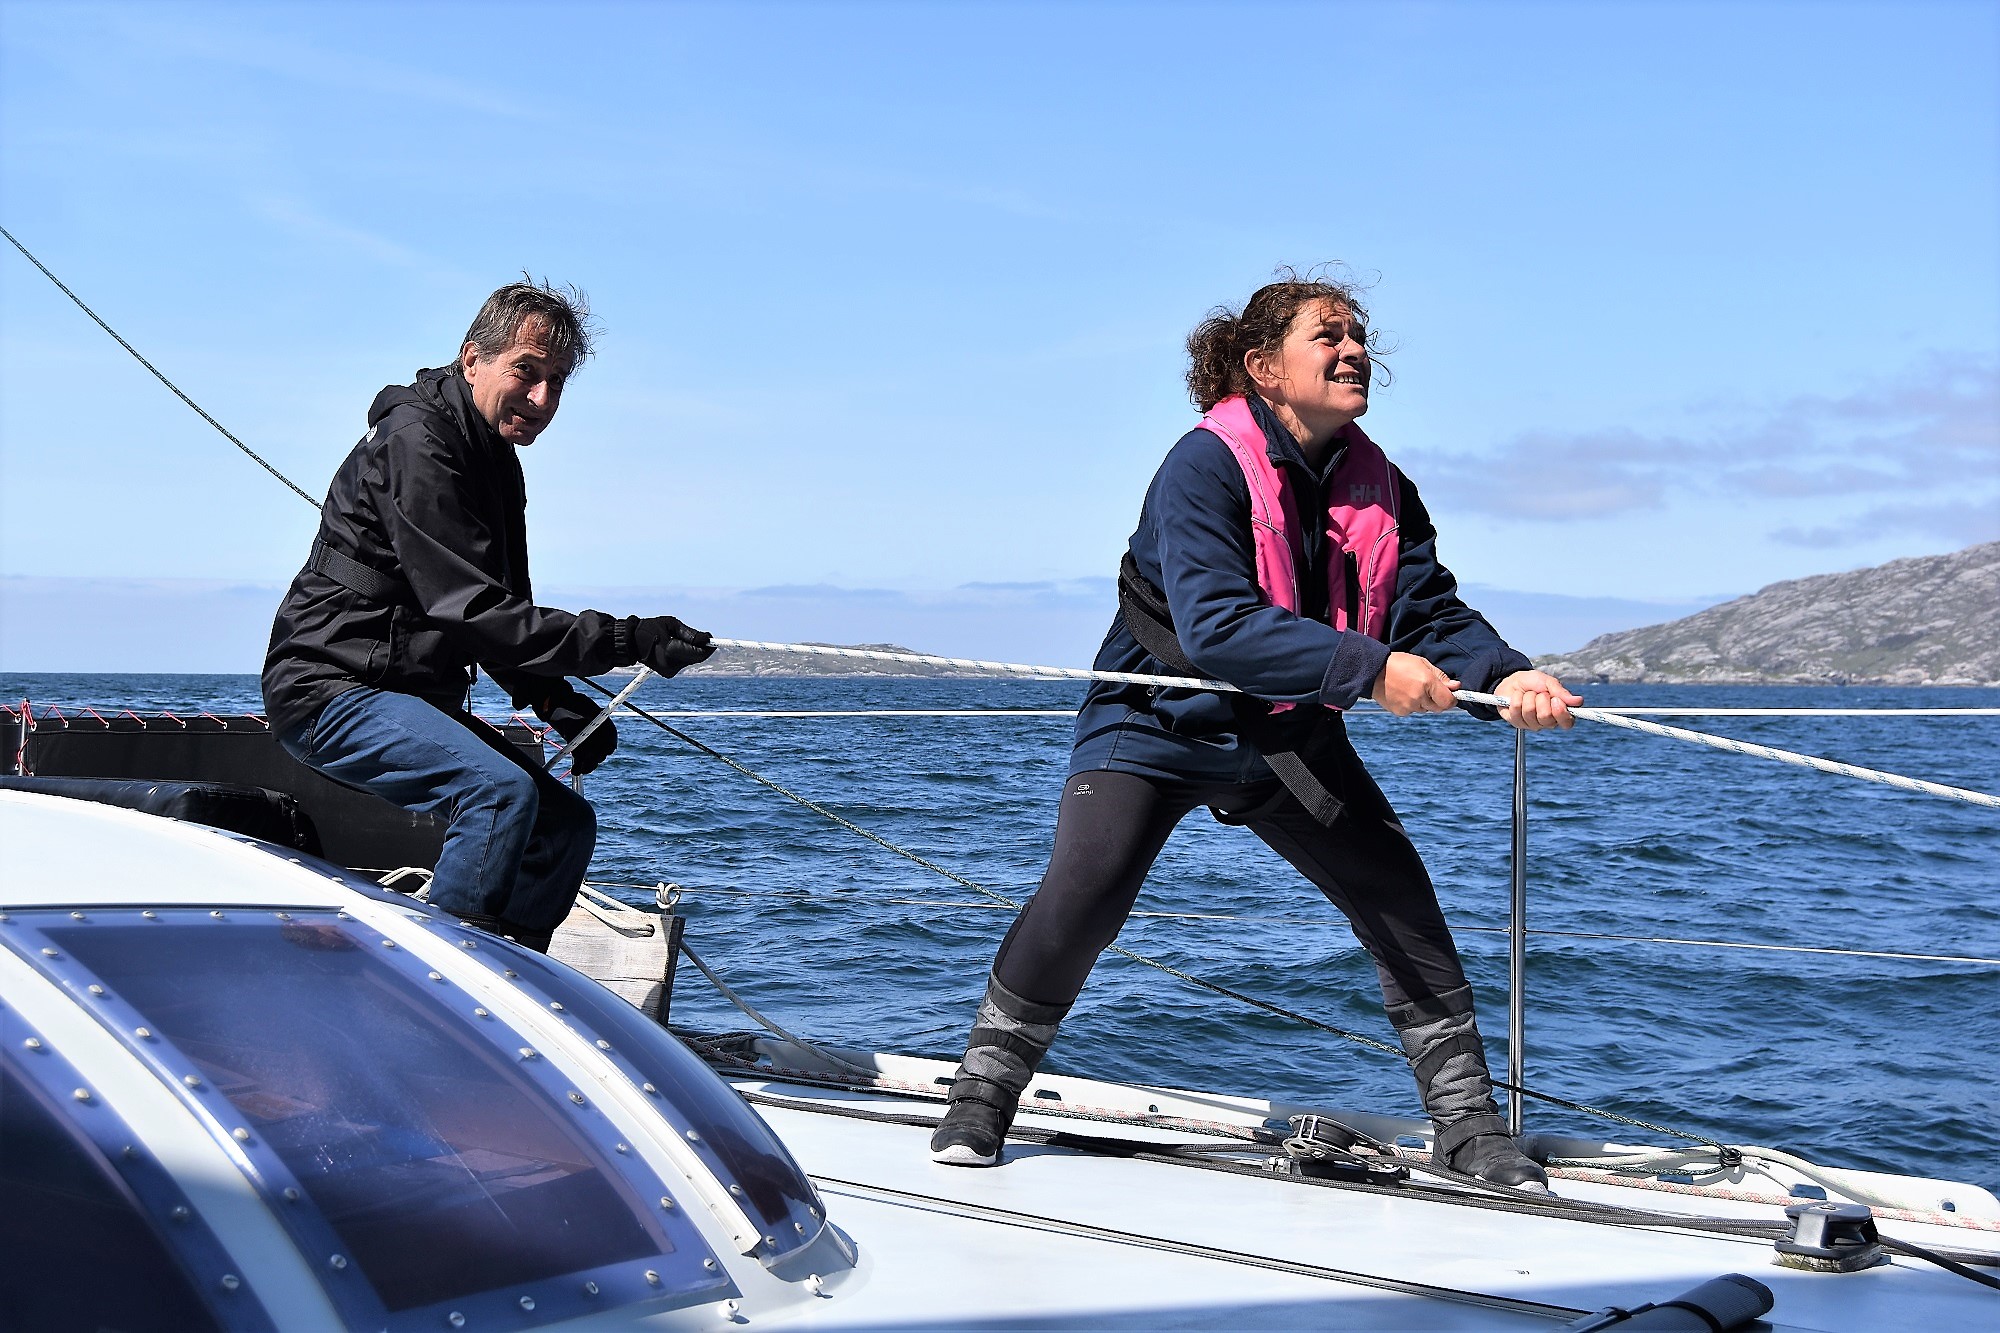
(1931, 620)
(760, 662)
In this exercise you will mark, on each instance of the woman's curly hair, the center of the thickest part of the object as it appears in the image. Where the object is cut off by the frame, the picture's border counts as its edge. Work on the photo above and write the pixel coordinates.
(1219, 343)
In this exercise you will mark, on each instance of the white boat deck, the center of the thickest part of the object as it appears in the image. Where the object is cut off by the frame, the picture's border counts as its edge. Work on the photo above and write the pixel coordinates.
(1060, 1238)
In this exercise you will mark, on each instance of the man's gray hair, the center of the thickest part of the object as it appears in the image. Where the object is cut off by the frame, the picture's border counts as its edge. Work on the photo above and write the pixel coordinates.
(563, 311)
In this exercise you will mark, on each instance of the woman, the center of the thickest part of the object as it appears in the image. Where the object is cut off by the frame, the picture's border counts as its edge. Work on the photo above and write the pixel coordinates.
(1278, 550)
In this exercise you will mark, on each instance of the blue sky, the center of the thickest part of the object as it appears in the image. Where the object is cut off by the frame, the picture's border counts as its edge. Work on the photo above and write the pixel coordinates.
(1685, 298)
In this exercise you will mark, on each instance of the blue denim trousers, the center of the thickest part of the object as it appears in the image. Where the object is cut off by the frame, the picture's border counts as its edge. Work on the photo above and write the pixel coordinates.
(517, 841)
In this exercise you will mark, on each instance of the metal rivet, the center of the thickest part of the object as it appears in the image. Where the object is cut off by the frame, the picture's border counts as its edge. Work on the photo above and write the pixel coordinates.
(511, 976)
(603, 1045)
(217, 914)
(590, 1288)
(282, 916)
(82, 1094)
(467, 944)
(556, 1005)
(653, 1279)
(388, 944)
(771, 1241)
(527, 1053)
(78, 916)
(527, 1302)
(337, 1262)
(693, 1137)
(5, 917)
(435, 976)
(620, 1147)
(231, 1282)
(193, 1081)
(179, 1214)
(729, 1310)
(96, 990)
(455, 1319)
(816, 1284)
(150, 915)
(737, 1190)
(143, 1034)
(240, 1134)
(33, 1043)
(481, 1013)
(666, 1203)
(291, 1194)
(343, 916)
(799, 1227)
(576, 1097)
(131, 1150)
(50, 953)
(647, 1087)
(813, 1213)
(709, 1264)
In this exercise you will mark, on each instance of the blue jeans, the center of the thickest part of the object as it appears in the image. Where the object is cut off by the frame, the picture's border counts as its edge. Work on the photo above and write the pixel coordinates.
(517, 841)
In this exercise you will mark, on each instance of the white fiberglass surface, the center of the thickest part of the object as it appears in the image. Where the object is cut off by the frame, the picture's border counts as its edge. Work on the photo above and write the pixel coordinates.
(1547, 1260)
(67, 853)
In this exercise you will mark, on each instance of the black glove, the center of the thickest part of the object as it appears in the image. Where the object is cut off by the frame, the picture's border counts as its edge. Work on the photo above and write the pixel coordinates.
(666, 645)
(569, 712)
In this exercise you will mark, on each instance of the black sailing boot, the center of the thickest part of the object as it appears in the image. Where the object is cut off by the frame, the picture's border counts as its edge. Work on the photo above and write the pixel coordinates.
(1010, 1036)
(1445, 1052)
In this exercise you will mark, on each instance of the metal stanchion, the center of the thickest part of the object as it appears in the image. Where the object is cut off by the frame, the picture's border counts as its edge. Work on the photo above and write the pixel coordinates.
(1517, 939)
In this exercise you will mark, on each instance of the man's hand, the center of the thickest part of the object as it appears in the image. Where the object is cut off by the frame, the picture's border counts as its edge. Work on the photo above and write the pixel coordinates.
(667, 646)
(569, 712)
(1411, 684)
(1539, 701)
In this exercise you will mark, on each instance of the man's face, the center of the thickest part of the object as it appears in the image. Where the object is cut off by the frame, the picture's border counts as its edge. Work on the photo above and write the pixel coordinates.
(518, 389)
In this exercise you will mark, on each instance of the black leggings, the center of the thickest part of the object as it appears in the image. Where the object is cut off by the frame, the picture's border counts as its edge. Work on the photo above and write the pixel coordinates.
(1111, 826)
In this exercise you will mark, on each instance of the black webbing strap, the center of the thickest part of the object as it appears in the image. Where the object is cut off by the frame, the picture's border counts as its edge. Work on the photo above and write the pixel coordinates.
(351, 574)
(1284, 739)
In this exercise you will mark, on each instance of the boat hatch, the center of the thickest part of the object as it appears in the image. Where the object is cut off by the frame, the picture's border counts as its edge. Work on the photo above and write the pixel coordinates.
(76, 1205)
(726, 1136)
(436, 1171)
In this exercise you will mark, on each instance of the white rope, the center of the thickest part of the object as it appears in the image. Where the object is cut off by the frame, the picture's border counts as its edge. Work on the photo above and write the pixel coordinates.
(1607, 716)
(1760, 752)
(974, 664)
(604, 715)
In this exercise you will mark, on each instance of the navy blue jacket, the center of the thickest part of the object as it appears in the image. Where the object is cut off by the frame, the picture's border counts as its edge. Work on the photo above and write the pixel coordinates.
(1193, 542)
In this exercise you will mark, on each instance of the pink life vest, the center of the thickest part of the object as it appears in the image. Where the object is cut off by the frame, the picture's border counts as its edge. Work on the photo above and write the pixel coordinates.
(1361, 519)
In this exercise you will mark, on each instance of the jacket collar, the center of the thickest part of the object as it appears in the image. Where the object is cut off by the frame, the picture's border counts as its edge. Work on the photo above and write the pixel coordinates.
(1280, 446)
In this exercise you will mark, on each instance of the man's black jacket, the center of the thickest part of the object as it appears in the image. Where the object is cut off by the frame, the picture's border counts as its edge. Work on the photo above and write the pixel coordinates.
(433, 499)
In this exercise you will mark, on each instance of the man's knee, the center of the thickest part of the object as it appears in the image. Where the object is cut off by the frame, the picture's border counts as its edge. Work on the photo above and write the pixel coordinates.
(507, 790)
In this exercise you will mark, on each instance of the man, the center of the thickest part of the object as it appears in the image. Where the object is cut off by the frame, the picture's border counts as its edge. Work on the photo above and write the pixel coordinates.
(418, 576)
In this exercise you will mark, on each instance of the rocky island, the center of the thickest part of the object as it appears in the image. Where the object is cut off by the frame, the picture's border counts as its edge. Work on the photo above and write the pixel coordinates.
(1929, 620)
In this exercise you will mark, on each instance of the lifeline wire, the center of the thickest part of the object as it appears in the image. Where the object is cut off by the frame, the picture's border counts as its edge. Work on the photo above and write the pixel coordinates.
(255, 457)
(1726, 1154)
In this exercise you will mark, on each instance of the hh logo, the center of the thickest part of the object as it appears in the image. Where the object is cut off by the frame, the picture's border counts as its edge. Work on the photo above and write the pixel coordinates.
(1360, 494)
(1081, 789)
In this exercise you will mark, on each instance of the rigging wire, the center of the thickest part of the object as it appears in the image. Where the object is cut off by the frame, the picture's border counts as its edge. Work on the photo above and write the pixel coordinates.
(255, 457)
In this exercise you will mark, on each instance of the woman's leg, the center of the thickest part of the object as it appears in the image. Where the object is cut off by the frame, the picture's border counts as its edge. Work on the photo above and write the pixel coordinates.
(1109, 829)
(1368, 867)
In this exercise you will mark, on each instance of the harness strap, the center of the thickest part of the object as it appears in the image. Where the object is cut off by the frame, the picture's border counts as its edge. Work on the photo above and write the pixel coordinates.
(1284, 739)
(369, 583)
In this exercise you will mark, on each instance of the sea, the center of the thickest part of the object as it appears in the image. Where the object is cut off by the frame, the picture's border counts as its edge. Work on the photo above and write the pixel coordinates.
(1750, 951)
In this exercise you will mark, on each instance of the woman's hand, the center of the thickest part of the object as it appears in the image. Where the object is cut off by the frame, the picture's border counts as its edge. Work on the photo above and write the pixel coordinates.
(1539, 701)
(1411, 684)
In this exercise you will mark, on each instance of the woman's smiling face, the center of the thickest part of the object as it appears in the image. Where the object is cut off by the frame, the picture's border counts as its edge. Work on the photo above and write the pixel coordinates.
(1320, 371)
